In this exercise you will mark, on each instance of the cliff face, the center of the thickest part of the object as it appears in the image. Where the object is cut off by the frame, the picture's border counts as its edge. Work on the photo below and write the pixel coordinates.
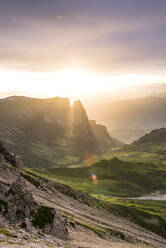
(84, 140)
(104, 140)
(48, 132)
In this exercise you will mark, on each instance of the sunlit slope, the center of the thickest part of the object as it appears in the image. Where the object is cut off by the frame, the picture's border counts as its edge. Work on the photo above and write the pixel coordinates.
(153, 143)
(49, 132)
(151, 148)
(154, 138)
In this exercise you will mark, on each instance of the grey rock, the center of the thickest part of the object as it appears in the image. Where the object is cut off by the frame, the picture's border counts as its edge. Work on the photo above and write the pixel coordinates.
(21, 203)
(22, 208)
(50, 222)
(29, 227)
(2, 222)
(58, 227)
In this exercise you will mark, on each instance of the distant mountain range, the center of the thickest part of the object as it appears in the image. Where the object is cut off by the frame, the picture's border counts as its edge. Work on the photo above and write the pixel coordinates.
(125, 93)
(49, 132)
(147, 112)
(132, 117)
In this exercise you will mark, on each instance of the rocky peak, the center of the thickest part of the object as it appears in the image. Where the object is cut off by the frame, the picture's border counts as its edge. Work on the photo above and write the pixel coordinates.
(84, 141)
(79, 113)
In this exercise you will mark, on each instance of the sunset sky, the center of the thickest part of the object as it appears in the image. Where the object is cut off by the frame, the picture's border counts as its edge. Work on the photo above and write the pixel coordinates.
(83, 46)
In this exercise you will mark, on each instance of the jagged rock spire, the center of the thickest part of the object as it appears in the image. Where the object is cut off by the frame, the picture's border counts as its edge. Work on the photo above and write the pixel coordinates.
(84, 141)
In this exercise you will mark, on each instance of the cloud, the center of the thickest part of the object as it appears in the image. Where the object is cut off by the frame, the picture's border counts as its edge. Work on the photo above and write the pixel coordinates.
(109, 36)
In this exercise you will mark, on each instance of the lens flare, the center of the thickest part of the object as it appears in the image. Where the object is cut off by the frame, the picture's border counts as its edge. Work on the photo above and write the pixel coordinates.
(94, 179)
(90, 159)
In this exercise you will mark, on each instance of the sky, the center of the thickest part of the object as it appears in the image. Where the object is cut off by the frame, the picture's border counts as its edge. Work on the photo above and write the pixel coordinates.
(51, 45)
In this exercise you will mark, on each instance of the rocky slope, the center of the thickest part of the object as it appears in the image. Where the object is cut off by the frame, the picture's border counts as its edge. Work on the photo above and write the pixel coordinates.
(50, 132)
(36, 212)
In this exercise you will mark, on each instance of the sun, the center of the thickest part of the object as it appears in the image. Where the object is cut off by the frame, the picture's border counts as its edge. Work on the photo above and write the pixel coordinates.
(74, 82)
(72, 72)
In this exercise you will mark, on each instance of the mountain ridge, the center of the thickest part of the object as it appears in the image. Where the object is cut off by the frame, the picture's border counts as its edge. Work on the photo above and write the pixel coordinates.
(49, 132)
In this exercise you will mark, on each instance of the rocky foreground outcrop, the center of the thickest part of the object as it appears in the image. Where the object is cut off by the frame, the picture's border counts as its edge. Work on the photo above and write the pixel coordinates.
(18, 206)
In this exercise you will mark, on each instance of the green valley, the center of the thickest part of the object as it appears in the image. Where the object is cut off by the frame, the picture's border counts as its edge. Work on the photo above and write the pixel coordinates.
(151, 148)
(114, 178)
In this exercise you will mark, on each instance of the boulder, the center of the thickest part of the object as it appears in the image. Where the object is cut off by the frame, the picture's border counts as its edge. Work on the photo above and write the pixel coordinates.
(50, 222)
(24, 209)
(21, 203)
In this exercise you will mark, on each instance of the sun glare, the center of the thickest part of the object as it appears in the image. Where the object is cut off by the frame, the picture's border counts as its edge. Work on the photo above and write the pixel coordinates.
(72, 82)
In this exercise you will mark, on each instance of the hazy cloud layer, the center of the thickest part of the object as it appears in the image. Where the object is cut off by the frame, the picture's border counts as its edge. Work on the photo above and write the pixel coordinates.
(108, 35)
